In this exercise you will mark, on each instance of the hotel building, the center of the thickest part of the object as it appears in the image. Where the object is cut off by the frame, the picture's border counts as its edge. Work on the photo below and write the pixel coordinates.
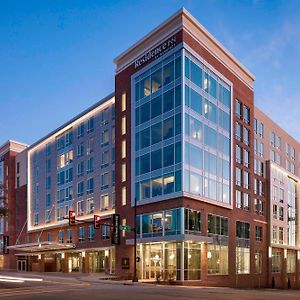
(197, 175)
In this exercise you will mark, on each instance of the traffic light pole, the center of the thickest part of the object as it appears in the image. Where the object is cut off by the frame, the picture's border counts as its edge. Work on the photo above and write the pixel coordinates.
(135, 278)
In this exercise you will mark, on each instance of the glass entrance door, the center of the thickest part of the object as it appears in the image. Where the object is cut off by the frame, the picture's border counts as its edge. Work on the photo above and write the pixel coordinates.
(22, 265)
(152, 258)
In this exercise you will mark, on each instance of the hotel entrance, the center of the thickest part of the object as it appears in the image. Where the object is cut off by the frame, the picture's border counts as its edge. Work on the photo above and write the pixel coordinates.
(169, 261)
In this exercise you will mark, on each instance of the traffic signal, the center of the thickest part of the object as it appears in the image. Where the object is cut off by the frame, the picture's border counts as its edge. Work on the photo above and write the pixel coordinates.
(97, 221)
(72, 217)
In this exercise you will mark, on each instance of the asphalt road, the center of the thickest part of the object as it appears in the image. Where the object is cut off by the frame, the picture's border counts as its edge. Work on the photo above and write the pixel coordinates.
(56, 289)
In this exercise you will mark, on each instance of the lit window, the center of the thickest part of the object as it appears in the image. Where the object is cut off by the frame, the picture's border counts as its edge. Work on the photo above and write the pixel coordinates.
(124, 125)
(123, 195)
(123, 148)
(124, 101)
(123, 172)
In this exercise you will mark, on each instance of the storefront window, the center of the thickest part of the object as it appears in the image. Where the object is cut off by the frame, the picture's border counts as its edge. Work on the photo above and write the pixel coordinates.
(217, 259)
(192, 221)
(192, 261)
(242, 260)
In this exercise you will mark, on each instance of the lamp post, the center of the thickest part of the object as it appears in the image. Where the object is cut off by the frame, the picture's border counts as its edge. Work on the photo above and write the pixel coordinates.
(135, 279)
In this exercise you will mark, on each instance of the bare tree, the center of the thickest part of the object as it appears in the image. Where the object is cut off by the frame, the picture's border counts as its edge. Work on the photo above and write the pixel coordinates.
(3, 202)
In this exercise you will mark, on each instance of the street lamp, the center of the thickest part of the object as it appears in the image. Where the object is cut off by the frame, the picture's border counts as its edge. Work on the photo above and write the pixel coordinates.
(134, 278)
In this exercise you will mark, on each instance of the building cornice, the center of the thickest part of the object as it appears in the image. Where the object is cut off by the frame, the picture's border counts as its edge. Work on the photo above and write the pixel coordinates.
(183, 20)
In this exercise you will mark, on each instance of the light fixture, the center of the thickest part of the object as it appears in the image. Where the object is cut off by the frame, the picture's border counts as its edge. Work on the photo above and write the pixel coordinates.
(39, 256)
(106, 252)
(270, 252)
(63, 255)
(83, 253)
(208, 254)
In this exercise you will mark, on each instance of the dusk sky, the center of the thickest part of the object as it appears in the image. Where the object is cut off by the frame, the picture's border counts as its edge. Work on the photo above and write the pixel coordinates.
(56, 57)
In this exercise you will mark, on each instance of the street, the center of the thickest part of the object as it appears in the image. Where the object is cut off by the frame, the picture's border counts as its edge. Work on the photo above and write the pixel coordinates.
(87, 287)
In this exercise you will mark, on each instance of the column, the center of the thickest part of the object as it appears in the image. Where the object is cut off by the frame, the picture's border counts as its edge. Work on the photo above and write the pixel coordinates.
(182, 262)
(203, 261)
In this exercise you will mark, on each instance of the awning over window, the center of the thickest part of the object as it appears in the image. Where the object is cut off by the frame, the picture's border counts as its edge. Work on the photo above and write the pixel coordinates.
(41, 246)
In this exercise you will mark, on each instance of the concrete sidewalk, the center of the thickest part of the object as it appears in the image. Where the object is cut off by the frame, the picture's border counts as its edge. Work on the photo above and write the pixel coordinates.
(58, 276)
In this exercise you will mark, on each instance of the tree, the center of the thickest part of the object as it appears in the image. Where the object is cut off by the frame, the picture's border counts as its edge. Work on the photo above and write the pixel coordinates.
(3, 202)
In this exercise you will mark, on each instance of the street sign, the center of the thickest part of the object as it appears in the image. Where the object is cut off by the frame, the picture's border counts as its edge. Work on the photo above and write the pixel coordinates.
(115, 233)
(125, 227)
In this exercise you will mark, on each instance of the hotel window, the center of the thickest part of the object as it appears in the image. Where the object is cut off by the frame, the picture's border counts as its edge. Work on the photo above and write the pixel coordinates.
(48, 200)
(255, 126)
(49, 236)
(36, 219)
(280, 235)
(238, 131)
(246, 158)
(104, 181)
(261, 130)
(124, 100)
(293, 154)
(291, 261)
(123, 172)
(113, 177)
(69, 175)
(261, 149)
(80, 188)
(272, 138)
(246, 114)
(276, 261)
(238, 199)
(113, 199)
(258, 233)
(124, 149)
(69, 235)
(238, 176)
(69, 138)
(90, 206)
(246, 180)
(275, 234)
(91, 233)
(90, 186)
(192, 222)
(69, 193)
(278, 159)
(104, 202)
(281, 213)
(90, 125)
(80, 169)
(259, 207)
(105, 138)
(90, 146)
(123, 124)
(105, 232)
(242, 260)
(105, 116)
(48, 149)
(255, 146)
(217, 259)
(124, 195)
(272, 155)
(80, 208)
(47, 216)
(80, 150)
(246, 201)
(48, 182)
(60, 236)
(246, 136)
(104, 159)
(81, 234)
(238, 154)
(287, 149)
(80, 130)
(275, 211)
(278, 142)
(258, 259)
(48, 165)
(90, 165)
(242, 230)
(238, 108)
(217, 225)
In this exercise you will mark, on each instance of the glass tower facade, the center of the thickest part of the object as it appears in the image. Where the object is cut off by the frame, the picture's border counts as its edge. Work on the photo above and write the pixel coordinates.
(182, 129)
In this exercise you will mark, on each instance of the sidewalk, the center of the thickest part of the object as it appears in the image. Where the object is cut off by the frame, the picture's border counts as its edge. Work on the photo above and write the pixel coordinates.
(58, 276)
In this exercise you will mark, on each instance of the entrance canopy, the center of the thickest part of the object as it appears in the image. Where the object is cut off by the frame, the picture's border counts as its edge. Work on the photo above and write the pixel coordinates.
(41, 247)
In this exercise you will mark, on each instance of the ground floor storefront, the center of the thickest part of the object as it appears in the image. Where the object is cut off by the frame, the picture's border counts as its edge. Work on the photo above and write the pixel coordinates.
(82, 261)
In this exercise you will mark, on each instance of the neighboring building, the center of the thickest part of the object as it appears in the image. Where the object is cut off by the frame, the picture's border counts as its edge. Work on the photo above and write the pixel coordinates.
(9, 172)
(209, 182)
(276, 189)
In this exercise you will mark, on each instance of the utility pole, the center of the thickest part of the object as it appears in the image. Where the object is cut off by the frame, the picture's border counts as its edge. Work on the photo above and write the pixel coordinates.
(135, 278)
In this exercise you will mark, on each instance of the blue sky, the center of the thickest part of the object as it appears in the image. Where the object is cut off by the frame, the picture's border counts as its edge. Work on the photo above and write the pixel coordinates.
(56, 56)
